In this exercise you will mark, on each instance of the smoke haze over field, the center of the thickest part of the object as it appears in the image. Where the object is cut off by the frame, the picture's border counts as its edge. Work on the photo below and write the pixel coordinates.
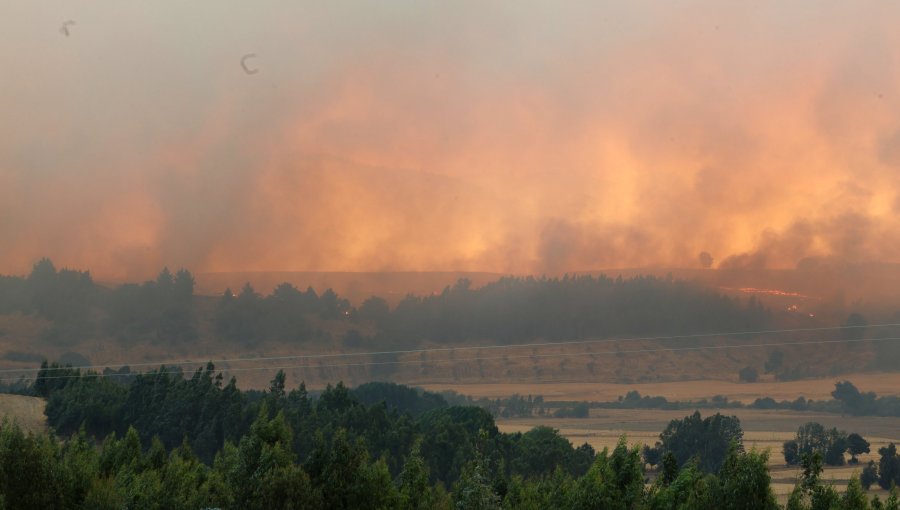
(466, 136)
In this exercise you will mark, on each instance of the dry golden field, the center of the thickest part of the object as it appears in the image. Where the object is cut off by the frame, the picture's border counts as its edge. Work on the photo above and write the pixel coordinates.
(28, 412)
(818, 389)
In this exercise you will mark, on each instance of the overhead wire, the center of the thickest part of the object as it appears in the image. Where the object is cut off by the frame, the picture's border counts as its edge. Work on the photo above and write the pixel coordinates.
(454, 349)
(162, 371)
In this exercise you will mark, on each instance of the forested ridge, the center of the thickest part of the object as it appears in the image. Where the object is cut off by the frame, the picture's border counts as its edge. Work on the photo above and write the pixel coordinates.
(163, 440)
(512, 309)
(63, 314)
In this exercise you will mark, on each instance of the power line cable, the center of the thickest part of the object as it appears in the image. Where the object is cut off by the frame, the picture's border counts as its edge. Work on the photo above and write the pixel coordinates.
(453, 349)
(485, 358)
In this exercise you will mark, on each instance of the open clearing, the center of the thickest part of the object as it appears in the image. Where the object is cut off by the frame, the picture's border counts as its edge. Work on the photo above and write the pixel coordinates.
(28, 412)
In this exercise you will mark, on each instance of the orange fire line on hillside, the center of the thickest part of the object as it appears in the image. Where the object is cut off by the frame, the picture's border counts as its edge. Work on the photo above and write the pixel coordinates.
(768, 292)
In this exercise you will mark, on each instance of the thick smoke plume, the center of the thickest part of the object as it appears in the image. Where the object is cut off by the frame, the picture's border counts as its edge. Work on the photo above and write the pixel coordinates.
(505, 137)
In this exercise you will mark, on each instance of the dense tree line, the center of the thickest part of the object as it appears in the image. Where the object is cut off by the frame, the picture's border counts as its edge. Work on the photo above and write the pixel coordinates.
(208, 412)
(831, 444)
(158, 310)
(259, 471)
(65, 298)
(847, 400)
(886, 472)
(77, 308)
(513, 309)
(509, 407)
(704, 442)
(162, 309)
(508, 310)
(857, 403)
(285, 315)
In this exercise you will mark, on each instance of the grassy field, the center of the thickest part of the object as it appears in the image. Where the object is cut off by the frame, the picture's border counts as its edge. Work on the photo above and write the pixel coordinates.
(28, 412)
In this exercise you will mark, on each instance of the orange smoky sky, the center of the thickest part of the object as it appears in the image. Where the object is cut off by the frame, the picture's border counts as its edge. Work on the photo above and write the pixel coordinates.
(467, 136)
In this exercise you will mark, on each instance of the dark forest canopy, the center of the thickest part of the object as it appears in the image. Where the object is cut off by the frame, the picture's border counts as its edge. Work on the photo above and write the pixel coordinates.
(166, 406)
(508, 310)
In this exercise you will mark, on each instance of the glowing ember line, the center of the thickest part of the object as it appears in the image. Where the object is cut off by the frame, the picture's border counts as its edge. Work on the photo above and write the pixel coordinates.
(768, 292)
